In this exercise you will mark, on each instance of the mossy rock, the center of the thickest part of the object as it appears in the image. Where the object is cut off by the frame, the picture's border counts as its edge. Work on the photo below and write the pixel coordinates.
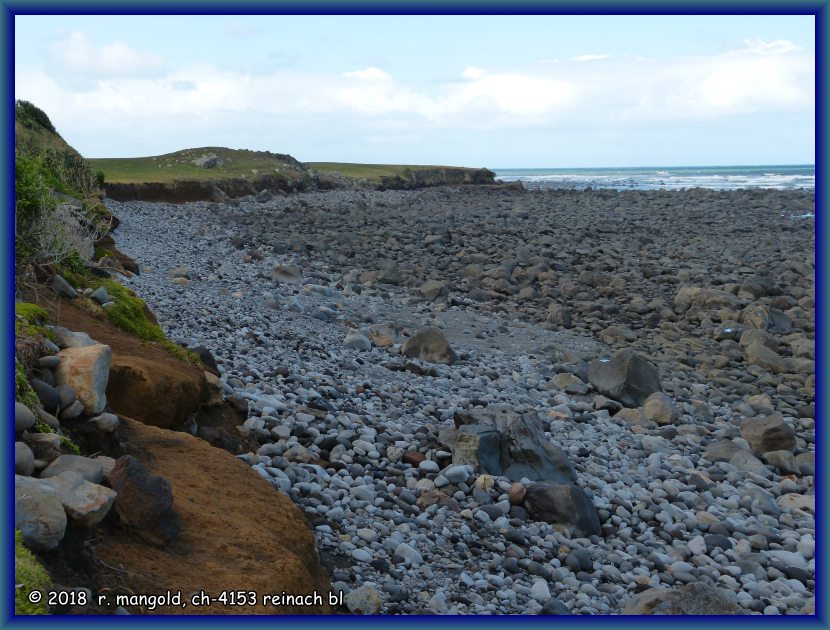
(30, 320)
(32, 313)
(23, 392)
(29, 575)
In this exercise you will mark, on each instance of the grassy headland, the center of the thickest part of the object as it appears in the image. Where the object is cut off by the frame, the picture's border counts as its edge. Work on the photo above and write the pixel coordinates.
(200, 164)
(376, 172)
(239, 171)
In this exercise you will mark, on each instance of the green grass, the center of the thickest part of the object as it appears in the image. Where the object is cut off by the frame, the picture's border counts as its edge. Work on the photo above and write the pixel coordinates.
(29, 575)
(237, 163)
(374, 172)
(129, 313)
(179, 166)
(23, 392)
(29, 321)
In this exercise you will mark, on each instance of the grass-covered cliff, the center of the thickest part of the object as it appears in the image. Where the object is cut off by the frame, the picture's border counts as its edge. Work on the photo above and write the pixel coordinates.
(215, 173)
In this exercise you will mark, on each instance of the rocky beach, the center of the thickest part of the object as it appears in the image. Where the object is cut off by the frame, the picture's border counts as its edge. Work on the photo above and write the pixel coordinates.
(489, 400)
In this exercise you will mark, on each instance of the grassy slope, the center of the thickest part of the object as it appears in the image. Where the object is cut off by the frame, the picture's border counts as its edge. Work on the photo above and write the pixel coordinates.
(374, 172)
(29, 141)
(179, 166)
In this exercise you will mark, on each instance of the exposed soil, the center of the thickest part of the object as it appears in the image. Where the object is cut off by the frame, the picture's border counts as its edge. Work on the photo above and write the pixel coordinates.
(238, 532)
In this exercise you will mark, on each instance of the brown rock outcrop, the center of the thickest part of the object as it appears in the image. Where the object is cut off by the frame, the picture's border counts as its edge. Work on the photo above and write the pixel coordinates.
(237, 531)
(160, 393)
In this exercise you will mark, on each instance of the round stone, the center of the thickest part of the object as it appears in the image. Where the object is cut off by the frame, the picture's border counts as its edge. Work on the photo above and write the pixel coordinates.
(428, 466)
(517, 493)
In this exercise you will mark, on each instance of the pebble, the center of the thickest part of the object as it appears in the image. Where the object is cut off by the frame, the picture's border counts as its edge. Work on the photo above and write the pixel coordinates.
(374, 429)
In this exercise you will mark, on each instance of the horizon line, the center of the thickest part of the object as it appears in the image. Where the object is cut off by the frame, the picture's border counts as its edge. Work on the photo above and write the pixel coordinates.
(648, 166)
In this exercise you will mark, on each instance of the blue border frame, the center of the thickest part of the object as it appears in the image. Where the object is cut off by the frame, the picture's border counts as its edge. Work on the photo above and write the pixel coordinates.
(9, 8)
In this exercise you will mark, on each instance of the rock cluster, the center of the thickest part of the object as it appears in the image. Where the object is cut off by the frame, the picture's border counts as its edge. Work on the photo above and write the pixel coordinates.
(597, 409)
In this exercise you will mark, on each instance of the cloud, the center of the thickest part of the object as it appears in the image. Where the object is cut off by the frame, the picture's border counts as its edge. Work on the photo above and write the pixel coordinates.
(369, 74)
(473, 73)
(590, 57)
(761, 76)
(76, 55)
(128, 91)
(237, 28)
(777, 47)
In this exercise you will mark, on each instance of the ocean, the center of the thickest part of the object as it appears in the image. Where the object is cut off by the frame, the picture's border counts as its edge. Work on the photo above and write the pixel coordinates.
(781, 177)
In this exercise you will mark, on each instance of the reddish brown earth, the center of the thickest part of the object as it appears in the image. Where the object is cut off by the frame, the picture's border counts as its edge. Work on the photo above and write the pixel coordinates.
(146, 382)
(238, 532)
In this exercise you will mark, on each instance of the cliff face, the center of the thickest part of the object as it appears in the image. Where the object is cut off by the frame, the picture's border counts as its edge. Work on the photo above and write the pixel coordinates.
(221, 189)
(424, 178)
(217, 190)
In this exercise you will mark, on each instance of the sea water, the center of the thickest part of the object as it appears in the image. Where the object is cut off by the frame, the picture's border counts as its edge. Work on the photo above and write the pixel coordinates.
(781, 177)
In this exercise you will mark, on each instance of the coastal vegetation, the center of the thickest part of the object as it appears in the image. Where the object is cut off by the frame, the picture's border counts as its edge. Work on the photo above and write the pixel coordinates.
(197, 164)
(376, 172)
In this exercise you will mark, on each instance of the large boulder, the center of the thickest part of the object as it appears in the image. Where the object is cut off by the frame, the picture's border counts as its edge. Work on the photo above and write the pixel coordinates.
(703, 299)
(433, 289)
(161, 393)
(768, 433)
(696, 598)
(497, 440)
(24, 459)
(287, 274)
(38, 513)
(87, 371)
(63, 288)
(90, 469)
(144, 502)
(627, 377)
(563, 504)
(49, 397)
(661, 409)
(86, 504)
(721, 451)
(430, 344)
(45, 446)
(24, 419)
(760, 355)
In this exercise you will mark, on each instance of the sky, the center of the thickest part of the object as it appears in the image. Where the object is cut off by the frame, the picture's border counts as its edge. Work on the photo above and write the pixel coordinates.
(495, 91)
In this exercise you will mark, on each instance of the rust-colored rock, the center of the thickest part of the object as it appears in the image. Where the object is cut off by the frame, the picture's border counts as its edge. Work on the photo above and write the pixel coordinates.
(87, 371)
(413, 457)
(159, 393)
(517, 493)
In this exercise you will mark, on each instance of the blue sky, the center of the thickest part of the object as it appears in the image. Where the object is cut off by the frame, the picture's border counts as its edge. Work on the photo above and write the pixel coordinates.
(497, 91)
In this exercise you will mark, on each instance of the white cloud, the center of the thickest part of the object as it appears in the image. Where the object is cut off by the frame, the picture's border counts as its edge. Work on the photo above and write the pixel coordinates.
(236, 28)
(590, 57)
(76, 55)
(369, 74)
(762, 76)
(777, 47)
(473, 73)
(129, 91)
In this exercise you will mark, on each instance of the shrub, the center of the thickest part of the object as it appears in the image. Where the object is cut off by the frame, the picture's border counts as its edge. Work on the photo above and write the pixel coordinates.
(98, 179)
(32, 117)
(47, 231)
